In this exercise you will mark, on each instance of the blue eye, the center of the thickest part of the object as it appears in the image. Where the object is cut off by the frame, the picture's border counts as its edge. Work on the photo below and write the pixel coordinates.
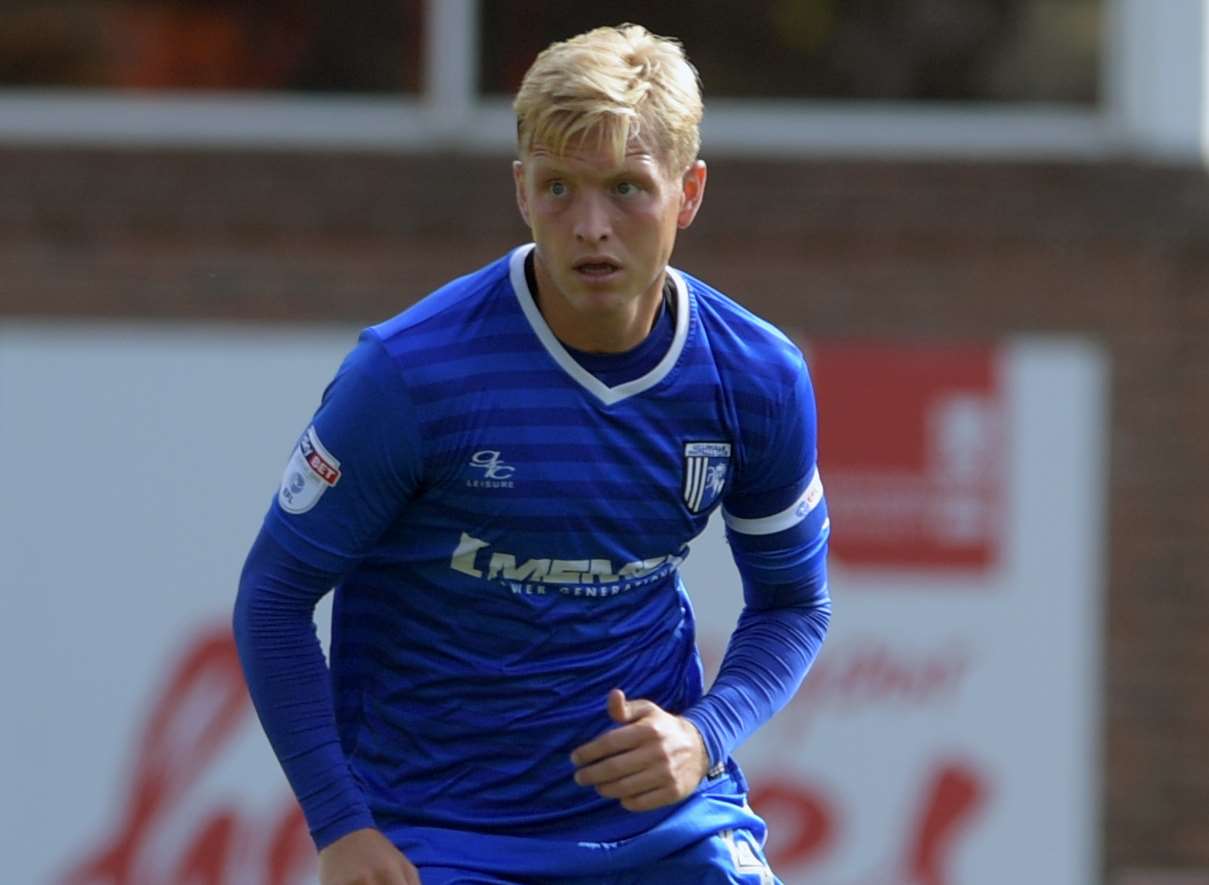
(626, 188)
(557, 188)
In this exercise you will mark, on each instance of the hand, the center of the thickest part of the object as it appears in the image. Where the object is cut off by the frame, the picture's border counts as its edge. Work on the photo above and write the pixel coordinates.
(652, 759)
(365, 857)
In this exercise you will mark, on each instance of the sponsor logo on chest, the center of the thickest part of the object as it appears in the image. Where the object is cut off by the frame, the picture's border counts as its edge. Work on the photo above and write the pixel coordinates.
(589, 577)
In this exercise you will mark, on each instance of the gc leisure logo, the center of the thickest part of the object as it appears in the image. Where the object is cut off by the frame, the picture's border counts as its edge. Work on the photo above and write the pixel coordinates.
(496, 473)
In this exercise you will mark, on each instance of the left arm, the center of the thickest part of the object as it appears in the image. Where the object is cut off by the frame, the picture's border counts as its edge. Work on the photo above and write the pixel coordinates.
(787, 610)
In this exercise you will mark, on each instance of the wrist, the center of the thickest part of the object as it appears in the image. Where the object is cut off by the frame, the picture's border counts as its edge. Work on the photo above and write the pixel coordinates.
(699, 716)
(700, 747)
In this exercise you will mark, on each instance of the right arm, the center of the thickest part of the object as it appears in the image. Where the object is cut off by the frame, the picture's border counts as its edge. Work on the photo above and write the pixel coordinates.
(351, 472)
(288, 680)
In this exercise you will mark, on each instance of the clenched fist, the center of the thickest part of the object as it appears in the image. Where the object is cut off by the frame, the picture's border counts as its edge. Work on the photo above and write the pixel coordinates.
(651, 759)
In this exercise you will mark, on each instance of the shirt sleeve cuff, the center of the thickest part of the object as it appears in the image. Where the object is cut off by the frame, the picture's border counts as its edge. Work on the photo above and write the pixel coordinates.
(330, 832)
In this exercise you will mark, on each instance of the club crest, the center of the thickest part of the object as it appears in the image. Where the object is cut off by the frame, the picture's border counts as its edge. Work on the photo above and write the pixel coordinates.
(706, 465)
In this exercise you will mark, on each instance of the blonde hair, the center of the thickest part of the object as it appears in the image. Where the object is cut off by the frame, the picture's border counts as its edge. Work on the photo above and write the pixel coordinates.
(617, 85)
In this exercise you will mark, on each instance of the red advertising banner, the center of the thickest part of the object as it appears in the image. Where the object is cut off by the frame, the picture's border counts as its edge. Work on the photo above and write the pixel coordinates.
(912, 440)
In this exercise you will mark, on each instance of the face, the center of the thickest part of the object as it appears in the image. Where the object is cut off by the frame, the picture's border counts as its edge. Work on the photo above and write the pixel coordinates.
(604, 231)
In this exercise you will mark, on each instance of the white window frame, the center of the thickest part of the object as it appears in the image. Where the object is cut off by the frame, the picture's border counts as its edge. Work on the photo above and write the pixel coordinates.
(449, 115)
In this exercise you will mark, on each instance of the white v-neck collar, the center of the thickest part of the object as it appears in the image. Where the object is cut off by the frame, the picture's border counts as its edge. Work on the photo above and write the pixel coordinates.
(604, 393)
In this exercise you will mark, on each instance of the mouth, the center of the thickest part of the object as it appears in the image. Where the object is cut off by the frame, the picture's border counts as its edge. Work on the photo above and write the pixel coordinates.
(597, 268)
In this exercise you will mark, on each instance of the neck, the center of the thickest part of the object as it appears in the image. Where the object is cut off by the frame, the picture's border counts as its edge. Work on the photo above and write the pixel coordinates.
(608, 330)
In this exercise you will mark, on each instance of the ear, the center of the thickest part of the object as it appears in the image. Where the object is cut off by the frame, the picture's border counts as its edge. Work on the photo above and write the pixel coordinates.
(522, 201)
(692, 192)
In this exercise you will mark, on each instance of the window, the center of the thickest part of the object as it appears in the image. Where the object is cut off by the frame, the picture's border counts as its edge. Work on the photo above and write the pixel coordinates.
(307, 46)
(924, 50)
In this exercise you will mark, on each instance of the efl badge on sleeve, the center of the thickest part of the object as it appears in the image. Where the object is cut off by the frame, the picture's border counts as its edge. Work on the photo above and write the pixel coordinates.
(311, 471)
(705, 467)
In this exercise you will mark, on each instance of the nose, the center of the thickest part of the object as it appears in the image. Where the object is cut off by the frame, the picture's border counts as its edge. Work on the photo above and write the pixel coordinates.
(592, 223)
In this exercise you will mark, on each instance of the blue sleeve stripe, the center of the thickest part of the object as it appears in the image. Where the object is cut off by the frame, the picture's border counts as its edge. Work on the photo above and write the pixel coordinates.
(787, 518)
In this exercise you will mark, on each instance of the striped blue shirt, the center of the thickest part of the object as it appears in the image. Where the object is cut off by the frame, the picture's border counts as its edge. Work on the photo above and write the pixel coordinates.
(506, 529)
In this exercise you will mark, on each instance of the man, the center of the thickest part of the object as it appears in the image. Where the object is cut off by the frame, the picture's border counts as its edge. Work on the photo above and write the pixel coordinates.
(500, 483)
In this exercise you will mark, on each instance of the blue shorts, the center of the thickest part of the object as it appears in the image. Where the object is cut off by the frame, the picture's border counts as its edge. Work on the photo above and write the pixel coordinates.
(713, 836)
(731, 857)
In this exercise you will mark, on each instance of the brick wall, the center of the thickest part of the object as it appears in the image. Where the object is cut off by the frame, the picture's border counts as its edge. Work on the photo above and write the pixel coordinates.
(932, 251)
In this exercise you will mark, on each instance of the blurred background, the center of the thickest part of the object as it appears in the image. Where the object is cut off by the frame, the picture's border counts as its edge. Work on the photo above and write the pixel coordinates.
(986, 222)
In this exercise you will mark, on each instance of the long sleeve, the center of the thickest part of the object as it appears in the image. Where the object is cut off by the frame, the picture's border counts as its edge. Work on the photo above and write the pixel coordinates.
(290, 686)
(778, 636)
(768, 656)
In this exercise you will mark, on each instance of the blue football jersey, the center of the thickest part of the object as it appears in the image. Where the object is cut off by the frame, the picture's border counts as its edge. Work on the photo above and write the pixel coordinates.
(509, 530)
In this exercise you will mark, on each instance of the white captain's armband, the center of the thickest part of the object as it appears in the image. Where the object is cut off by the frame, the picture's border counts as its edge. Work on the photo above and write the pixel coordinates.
(311, 472)
(810, 498)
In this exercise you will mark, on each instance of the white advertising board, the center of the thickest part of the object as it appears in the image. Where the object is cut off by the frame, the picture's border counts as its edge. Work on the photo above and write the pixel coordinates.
(947, 736)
